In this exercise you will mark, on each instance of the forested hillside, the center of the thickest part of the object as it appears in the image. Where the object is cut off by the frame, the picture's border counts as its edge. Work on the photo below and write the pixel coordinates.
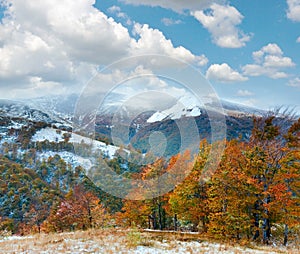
(253, 195)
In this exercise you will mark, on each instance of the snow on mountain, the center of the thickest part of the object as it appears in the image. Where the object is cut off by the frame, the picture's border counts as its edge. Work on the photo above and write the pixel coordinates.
(69, 158)
(187, 106)
(54, 135)
(16, 115)
(232, 108)
(14, 109)
(59, 106)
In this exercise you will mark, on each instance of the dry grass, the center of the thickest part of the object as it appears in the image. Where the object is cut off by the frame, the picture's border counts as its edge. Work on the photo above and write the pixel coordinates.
(124, 241)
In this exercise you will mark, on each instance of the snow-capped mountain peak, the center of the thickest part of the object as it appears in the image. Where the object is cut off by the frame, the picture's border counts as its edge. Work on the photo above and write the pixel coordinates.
(187, 106)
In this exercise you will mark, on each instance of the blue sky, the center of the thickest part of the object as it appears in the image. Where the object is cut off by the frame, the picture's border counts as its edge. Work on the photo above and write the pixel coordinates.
(248, 50)
(266, 23)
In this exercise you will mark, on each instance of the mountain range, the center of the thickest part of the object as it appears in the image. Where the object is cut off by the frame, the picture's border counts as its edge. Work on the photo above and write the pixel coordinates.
(43, 151)
(58, 112)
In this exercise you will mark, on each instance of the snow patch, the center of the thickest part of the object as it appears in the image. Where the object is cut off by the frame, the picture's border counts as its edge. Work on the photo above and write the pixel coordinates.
(69, 158)
(188, 106)
(15, 237)
(54, 135)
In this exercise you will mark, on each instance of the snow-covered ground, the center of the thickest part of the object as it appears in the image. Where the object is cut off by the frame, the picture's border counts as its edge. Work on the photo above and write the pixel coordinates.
(69, 158)
(187, 106)
(20, 110)
(53, 135)
(14, 238)
(122, 241)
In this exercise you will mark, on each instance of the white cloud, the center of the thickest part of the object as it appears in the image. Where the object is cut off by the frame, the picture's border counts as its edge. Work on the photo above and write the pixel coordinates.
(256, 70)
(201, 60)
(175, 5)
(153, 41)
(27, 54)
(222, 21)
(294, 82)
(170, 22)
(250, 102)
(64, 34)
(278, 61)
(60, 43)
(244, 93)
(293, 11)
(35, 87)
(271, 48)
(268, 61)
(114, 9)
(224, 73)
(117, 11)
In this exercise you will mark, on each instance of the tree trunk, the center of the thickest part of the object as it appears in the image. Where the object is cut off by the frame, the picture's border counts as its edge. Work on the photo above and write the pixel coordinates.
(204, 224)
(90, 217)
(175, 222)
(286, 232)
(160, 216)
(266, 230)
(154, 224)
(256, 221)
(149, 221)
(266, 220)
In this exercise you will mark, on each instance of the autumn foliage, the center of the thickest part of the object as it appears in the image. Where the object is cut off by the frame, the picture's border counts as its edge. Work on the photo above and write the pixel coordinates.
(253, 194)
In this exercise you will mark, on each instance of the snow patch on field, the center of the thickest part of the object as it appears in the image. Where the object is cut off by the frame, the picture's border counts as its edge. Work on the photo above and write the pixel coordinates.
(69, 158)
(69, 243)
(14, 237)
(54, 135)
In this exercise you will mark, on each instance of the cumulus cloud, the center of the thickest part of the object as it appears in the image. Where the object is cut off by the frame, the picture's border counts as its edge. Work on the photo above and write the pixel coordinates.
(175, 5)
(116, 10)
(244, 93)
(170, 22)
(60, 43)
(51, 39)
(268, 61)
(77, 28)
(294, 82)
(222, 22)
(224, 73)
(153, 41)
(293, 11)
(271, 48)
(257, 70)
